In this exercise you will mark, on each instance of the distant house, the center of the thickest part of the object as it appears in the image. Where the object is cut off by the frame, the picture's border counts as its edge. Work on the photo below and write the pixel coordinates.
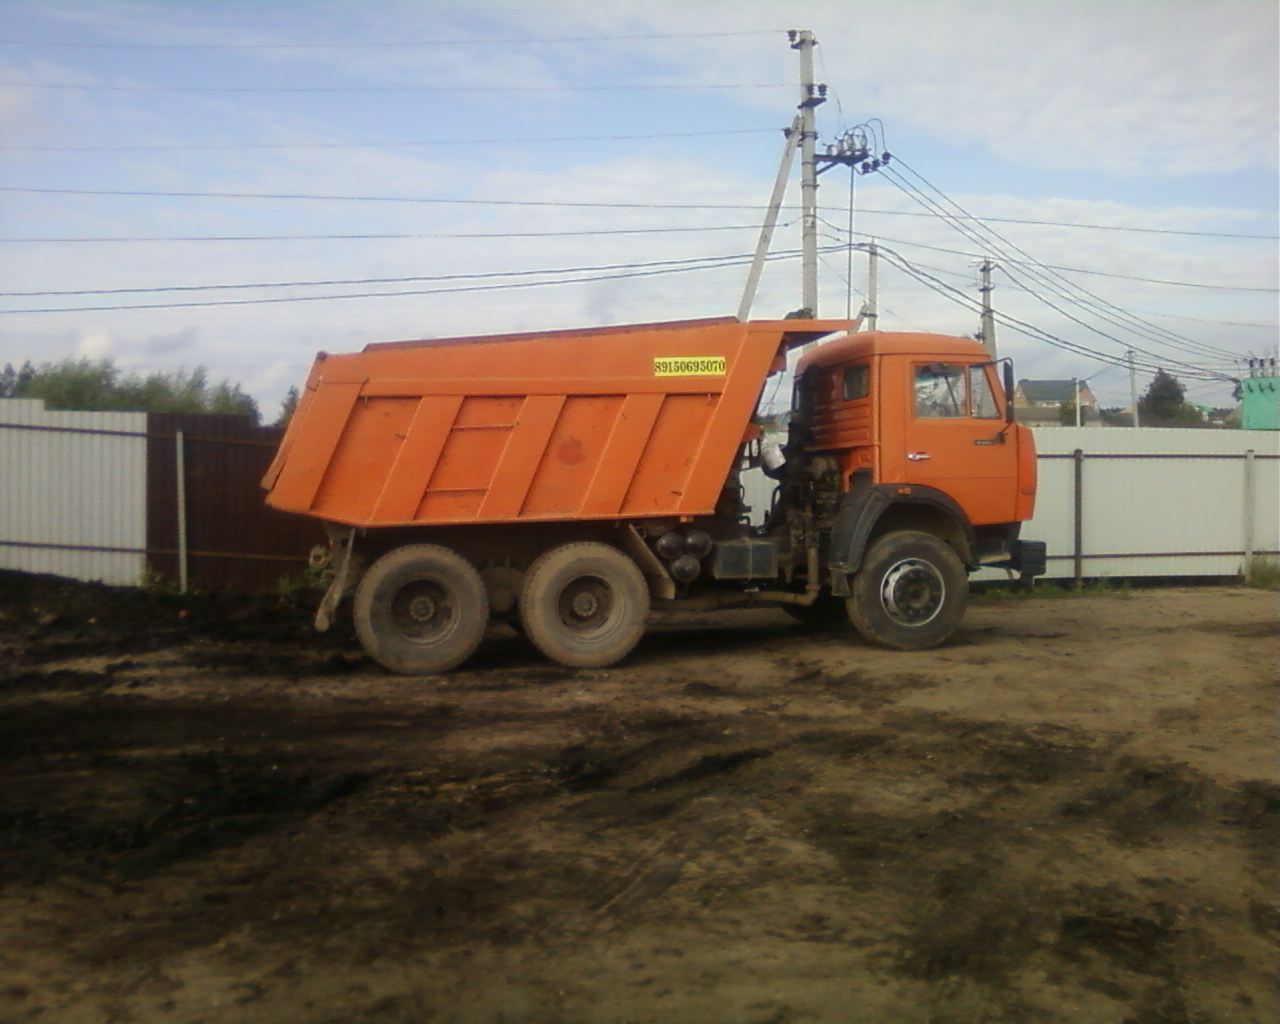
(1039, 401)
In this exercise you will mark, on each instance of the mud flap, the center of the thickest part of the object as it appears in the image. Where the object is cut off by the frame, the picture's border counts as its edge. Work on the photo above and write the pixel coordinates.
(1030, 558)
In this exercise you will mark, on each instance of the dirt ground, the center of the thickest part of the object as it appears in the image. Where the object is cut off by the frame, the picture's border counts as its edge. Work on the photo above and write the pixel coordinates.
(1066, 814)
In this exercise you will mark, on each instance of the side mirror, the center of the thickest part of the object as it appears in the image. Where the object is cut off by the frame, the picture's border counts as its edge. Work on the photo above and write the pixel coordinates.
(1008, 391)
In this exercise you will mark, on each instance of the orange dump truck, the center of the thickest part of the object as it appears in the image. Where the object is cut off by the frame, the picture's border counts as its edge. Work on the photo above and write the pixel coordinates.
(569, 481)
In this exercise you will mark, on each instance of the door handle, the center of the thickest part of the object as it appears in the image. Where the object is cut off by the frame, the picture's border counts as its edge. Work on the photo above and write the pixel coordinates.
(918, 456)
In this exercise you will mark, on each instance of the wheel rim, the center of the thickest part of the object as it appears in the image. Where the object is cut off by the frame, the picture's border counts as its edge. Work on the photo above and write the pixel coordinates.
(912, 592)
(424, 611)
(585, 605)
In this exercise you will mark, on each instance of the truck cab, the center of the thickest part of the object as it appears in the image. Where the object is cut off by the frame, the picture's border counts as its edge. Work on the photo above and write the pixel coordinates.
(905, 443)
(924, 416)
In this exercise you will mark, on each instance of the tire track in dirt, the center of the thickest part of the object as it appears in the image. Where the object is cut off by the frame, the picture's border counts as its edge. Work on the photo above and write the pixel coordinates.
(752, 822)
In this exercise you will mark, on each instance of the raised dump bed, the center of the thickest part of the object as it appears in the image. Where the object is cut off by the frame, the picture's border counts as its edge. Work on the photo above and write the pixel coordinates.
(631, 422)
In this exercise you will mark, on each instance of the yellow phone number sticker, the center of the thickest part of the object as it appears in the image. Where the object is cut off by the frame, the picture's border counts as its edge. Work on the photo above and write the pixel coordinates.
(690, 366)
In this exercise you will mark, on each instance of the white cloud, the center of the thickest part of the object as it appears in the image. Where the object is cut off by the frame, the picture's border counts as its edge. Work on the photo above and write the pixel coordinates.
(1116, 89)
(95, 345)
(1124, 87)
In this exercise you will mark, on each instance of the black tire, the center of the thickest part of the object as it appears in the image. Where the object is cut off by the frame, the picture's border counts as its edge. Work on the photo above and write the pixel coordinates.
(827, 612)
(584, 605)
(910, 593)
(421, 609)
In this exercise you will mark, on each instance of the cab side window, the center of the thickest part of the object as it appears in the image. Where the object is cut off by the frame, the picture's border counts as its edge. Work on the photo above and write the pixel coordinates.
(856, 382)
(940, 391)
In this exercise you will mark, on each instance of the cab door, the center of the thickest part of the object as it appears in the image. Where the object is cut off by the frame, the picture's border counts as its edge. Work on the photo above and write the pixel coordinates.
(957, 441)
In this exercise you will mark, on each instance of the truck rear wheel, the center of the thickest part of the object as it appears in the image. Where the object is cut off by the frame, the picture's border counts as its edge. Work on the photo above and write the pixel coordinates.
(421, 609)
(910, 593)
(584, 604)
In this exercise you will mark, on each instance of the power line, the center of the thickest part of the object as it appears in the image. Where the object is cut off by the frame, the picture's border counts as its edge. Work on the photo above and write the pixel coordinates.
(1054, 266)
(139, 193)
(315, 283)
(385, 237)
(612, 87)
(1207, 320)
(203, 146)
(1107, 311)
(625, 271)
(1023, 327)
(388, 43)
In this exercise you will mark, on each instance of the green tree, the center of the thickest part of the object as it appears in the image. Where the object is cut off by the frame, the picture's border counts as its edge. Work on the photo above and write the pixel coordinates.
(98, 385)
(1165, 404)
(287, 407)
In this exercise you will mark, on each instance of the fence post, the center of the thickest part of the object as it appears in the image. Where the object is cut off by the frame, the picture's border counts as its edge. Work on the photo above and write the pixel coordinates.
(1250, 468)
(180, 473)
(1077, 459)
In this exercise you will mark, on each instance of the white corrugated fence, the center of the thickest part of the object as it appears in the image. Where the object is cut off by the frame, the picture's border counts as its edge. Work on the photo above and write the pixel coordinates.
(73, 492)
(1141, 502)
(1111, 502)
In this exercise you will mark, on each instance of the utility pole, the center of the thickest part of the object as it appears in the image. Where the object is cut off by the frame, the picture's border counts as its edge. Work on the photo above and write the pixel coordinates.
(811, 96)
(770, 220)
(1077, 401)
(988, 334)
(848, 254)
(1133, 387)
(872, 308)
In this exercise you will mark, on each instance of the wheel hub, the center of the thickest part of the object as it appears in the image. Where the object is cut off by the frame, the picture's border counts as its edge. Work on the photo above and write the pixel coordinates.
(584, 604)
(912, 592)
(422, 608)
(423, 611)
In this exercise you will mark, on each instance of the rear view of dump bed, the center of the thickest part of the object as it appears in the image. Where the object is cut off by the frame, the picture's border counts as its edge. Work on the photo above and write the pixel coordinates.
(612, 423)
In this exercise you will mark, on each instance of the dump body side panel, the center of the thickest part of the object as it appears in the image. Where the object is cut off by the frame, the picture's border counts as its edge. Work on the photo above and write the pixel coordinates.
(603, 424)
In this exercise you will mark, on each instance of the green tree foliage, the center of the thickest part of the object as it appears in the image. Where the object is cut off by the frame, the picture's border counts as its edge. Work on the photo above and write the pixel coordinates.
(287, 407)
(98, 385)
(1116, 417)
(1165, 404)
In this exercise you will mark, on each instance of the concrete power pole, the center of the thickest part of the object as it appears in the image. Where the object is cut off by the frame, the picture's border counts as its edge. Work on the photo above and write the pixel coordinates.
(872, 308)
(1133, 387)
(988, 334)
(770, 220)
(811, 95)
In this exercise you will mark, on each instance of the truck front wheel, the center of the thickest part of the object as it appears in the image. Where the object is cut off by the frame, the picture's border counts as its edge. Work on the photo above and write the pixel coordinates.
(584, 604)
(910, 593)
(421, 609)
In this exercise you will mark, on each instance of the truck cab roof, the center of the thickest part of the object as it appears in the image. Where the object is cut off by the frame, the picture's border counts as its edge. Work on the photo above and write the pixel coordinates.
(877, 343)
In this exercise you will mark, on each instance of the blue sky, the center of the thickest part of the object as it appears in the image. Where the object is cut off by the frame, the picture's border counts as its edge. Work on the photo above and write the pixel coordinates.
(565, 137)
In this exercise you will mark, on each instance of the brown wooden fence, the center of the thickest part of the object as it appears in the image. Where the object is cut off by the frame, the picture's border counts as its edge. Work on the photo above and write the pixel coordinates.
(208, 526)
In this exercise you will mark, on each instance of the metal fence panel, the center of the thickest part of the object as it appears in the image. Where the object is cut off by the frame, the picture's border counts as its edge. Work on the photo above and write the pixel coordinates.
(72, 492)
(97, 496)
(208, 525)
(1154, 501)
